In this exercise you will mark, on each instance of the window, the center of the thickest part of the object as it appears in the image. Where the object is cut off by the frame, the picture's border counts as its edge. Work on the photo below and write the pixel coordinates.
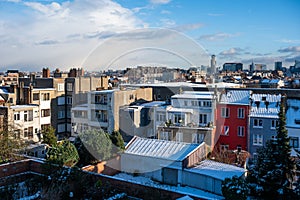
(17, 116)
(60, 87)
(30, 132)
(17, 134)
(164, 135)
(161, 117)
(185, 103)
(203, 119)
(101, 115)
(44, 126)
(225, 130)
(257, 123)
(61, 128)
(206, 103)
(61, 114)
(178, 118)
(36, 130)
(25, 132)
(179, 136)
(274, 123)
(101, 99)
(36, 96)
(69, 87)
(45, 96)
(239, 148)
(257, 139)
(294, 142)
(45, 112)
(61, 101)
(194, 103)
(241, 113)
(225, 112)
(80, 114)
(28, 115)
(241, 131)
(69, 100)
(224, 147)
(197, 138)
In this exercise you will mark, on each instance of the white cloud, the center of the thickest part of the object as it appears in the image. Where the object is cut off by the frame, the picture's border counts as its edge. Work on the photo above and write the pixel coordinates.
(218, 36)
(215, 14)
(292, 49)
(290, 41)
(160, 1)
(61, 34)
(231, 52)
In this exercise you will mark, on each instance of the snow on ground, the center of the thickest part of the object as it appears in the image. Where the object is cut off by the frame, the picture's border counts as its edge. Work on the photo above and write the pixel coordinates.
(179, 189)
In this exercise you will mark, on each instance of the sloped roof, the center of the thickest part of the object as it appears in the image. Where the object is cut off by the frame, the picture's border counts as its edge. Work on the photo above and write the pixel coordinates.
(239, 97)
(217, 170)
(170, 150)
(269, 97)
(270, 110)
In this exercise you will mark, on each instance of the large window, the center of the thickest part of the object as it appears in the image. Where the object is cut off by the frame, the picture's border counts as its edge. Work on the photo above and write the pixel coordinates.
(61, 114)
(69, 87)
(206, 103)
(225, 130)
(178, 118)
(294, 142)
(101, 115)
(28, 115)
(60, 87)
(197, 138)
(257, 123)
(45, 112)
(241, 113)
(241, 131)
(161, 117)
(101, 99)
(45, 96)
(36, 96)
(203, 119)
(69, 100)
(225, 112)
(17, 116)
(274, 123)
(257, 139)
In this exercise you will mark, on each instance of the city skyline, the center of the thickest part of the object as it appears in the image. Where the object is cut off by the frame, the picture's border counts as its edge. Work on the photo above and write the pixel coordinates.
(36, 34)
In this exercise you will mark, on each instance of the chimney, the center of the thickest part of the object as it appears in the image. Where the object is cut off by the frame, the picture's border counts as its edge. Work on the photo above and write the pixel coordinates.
(46, 73)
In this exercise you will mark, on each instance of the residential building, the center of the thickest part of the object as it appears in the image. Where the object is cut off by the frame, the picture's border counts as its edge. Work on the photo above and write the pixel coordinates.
(102, 108)
(190, 118)
(263, 120)
(293, 121)
(232, 119)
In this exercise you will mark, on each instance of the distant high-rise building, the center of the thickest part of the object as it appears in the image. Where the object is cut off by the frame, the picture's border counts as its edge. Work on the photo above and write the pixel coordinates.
(233, 67)
(278, 65)
(251, 67)
(213, 64)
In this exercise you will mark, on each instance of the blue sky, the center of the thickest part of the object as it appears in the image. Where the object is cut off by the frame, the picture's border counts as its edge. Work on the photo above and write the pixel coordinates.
(34, 34)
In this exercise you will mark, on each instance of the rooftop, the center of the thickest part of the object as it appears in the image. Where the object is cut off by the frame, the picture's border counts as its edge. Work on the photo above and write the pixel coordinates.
(170, 150)
(239, 97)
(194, 95)
(217, 170)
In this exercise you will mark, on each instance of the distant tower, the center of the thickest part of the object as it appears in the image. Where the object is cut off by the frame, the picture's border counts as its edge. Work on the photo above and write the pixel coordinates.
(213, 64)
(278, 65)
(252, 66)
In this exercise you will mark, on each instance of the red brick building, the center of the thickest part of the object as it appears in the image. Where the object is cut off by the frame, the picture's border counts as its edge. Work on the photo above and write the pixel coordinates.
(232, 120)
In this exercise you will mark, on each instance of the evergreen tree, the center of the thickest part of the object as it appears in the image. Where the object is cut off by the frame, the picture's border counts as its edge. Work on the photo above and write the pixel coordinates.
(49, 136)
(117, 139)
(85, 157)
(63, 153)
(98, 143)
(272, 175)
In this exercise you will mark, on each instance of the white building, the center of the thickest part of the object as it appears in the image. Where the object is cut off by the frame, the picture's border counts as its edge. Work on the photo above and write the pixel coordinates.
(293, 121)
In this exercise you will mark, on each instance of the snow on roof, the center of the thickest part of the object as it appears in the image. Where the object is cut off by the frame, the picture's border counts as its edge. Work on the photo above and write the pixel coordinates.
(153, 104)
(293, 113)
(170, 150)
(240, 97)
(24, 106)
(181, 110)
(185, 198)
(4, 91)
(264, 112)
(266, 97)
(194, 95)
(217, 170)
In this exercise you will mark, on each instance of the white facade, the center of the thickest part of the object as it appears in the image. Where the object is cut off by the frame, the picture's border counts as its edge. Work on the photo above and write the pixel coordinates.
(26, 122)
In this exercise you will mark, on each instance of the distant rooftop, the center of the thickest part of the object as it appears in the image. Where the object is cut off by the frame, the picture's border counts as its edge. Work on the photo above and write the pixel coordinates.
(239, 97)
(170, 150)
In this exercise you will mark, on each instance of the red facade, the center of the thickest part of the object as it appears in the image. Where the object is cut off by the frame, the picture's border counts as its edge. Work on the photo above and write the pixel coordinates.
(232, 126)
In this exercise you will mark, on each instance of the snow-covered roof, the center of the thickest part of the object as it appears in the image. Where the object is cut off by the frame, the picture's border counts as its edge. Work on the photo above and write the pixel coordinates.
(153, 104)
(264, 112)
(194, 95)
(4, 91)
(170, 150)
(268, 97)
(293, 113)
(217, 170)
(181, 110)
(240, 97)
(24, 106)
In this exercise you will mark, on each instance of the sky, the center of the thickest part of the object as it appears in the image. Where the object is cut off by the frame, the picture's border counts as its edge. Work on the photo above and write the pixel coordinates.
(104, 34)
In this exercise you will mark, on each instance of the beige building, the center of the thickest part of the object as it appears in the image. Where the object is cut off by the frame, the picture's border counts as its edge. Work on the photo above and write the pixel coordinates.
(102, 108)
